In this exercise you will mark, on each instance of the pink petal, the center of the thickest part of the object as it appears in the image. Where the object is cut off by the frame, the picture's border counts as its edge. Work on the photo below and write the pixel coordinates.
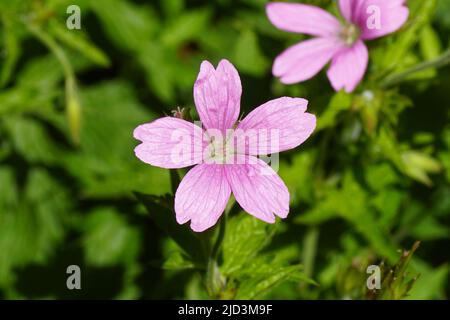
(202, 196)
(392, 13)
(304, 60)
(169, 143)
(302, 18)
(348, 8)
(277, 125)
(348, 67)
(217, 95)
(258, 189)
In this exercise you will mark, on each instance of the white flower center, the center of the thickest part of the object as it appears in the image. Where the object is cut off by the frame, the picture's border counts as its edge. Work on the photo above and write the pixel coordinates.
(220, 150)
(350, 33)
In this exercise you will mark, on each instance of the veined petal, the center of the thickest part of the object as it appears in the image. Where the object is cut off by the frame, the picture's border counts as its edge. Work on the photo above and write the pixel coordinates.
(277, 125)
(302, 18)
(202, 196)
(258, 189)
(349, 8)
(169, 143)
(304, 60)
(217, 95)
(376, 18)
(348, 67)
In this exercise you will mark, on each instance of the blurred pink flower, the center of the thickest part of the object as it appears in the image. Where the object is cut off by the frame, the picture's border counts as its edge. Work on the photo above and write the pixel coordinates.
(203, 193)
(342, 43)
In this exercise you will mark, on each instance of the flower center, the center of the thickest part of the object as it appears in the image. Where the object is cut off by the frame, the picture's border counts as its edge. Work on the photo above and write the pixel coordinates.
(220, 150)
(350, 34)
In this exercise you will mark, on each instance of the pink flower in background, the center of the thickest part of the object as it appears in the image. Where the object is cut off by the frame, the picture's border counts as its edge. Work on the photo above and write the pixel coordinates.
(204, 192)
(342, 43)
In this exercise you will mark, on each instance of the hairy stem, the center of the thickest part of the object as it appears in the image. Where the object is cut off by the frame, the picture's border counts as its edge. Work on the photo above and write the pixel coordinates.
(439, 62)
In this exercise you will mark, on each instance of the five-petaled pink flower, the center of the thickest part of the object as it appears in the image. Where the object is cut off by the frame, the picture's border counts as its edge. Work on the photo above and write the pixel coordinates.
(342, 43)
(203, 193)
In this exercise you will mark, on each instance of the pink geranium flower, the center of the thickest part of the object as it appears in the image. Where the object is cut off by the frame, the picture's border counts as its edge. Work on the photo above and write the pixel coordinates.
(342, 43)
(219, 169)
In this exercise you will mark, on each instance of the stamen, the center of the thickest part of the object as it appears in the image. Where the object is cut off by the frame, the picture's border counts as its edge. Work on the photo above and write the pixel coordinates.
(350, 34)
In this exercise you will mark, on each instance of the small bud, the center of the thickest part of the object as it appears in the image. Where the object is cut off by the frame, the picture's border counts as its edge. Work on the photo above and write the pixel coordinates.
(73, 110)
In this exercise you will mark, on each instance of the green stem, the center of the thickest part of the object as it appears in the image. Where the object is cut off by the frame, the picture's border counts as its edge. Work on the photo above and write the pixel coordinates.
(215, 282)
(73, 107)
(53, 46)
(220, 237)
(310, 249)
(439, 62)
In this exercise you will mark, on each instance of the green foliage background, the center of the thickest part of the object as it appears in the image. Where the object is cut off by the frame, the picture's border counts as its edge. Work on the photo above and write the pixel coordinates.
(373, 179)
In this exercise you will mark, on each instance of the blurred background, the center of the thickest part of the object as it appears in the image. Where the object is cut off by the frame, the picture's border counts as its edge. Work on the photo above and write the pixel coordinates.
(372, 180)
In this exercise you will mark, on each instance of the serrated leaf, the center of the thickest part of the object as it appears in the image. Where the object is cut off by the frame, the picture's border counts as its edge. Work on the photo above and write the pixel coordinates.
(177, 261)
(256, 286)
(244, 238)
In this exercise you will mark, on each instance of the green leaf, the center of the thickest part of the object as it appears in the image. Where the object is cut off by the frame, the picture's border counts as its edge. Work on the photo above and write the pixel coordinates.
(258, 285)
(31, 140)
(388, 202)
(177, 261)
(12, 50)
(158, 69)
(172, 8)
(418, 165)
(351, 203)
(81, 43)
(187, 27)
(381, 176)
(421, 13)
(23, 99)
(297, 175)
(244, 238)
(339, 102)
(108, 239)
(111, 111)
(430, 45)
(247, 54)
(428, 228)
(127, 25)
(431, 284)
(38, 215)
(45, 73)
